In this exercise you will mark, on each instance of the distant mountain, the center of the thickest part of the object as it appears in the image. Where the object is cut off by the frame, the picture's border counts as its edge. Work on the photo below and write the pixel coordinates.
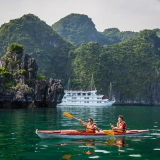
(157, 32)
(115, 36)
(79, 28)
(40, 41)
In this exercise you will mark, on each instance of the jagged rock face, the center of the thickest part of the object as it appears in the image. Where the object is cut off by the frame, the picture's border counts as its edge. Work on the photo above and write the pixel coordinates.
(30, 66)
(39, 90)
(150, 95)
(51, 92)
(13, 61)
(27, 88)
(54, 91)
(2, 88)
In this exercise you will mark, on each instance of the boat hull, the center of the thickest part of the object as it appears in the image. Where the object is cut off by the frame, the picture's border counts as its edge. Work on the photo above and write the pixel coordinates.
(78, 134)
(86, 104)
(84, 98)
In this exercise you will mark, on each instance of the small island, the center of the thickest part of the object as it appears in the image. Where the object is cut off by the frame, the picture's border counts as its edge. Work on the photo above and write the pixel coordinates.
(20, 84)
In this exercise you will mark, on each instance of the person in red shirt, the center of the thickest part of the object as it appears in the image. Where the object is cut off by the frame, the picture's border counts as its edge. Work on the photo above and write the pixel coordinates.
(121, 125)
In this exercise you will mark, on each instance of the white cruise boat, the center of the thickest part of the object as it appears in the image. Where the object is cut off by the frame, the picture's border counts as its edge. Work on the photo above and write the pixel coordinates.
(84, 98)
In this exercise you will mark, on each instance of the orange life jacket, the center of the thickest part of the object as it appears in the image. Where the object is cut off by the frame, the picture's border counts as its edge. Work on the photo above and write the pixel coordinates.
(91, 128)
(123, 125)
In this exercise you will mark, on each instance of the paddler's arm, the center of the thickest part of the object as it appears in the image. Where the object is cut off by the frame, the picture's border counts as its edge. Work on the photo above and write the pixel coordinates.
(112, 126)
(96, 128)
(117, 128)
(82, 123)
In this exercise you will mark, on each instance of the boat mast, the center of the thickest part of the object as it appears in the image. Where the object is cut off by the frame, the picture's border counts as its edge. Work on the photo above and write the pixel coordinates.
(92, 82)
(68, 84)
(110, 91)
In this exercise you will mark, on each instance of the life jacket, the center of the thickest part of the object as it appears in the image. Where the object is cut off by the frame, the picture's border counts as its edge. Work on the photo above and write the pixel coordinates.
(91, 128)
(123, 125)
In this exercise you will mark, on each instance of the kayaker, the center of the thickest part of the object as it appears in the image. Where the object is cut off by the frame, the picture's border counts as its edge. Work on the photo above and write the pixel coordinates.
(121, 125)
(91, 126)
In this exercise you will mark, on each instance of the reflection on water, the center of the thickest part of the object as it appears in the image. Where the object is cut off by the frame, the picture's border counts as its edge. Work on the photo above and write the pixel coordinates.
(119, 142)
(88, 147)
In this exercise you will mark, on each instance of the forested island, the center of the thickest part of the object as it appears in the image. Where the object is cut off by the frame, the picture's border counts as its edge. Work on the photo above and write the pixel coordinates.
(21, 86)
(73, 49)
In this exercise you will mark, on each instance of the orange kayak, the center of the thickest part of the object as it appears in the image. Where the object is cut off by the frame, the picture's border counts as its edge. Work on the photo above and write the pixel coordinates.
(83, 134)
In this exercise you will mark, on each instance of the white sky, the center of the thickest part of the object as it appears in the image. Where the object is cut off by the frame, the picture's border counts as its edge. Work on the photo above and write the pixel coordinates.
(126, 15)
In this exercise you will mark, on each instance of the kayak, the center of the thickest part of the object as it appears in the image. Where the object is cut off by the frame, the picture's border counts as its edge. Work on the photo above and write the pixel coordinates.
(83, 134)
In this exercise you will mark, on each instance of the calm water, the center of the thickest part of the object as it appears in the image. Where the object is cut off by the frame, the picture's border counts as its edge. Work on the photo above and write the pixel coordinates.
(18, 140)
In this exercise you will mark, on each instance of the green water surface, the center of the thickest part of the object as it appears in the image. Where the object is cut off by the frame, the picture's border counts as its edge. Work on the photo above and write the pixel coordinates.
(18, 140)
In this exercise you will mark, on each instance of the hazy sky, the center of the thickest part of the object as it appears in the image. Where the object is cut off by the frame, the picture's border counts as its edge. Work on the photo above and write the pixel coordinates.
(127, 15)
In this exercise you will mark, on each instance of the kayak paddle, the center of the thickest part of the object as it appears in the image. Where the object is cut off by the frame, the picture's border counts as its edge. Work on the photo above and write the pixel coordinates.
(108, 132)
(70, 116)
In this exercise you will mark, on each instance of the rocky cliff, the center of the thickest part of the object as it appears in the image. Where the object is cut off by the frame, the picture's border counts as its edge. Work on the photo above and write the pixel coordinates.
(150, 96)
(21, 86)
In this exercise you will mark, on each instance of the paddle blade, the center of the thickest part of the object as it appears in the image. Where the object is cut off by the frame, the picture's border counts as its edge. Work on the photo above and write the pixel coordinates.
(108, 132)
(68, 115)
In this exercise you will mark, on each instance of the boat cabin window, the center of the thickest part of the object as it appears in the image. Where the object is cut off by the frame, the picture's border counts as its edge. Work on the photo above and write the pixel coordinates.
(79, 94)
(89, 94)
(84, 94)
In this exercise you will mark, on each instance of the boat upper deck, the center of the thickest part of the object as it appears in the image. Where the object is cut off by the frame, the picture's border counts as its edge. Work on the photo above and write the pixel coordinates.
(92, 93)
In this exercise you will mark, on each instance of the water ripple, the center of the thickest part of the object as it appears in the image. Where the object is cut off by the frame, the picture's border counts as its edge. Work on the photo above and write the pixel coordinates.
(135, 155)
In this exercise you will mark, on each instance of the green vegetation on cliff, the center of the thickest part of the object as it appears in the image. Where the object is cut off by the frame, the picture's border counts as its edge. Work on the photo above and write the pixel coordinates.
(40, 41)
(16, 48)
(129, 60)
(129, 65)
